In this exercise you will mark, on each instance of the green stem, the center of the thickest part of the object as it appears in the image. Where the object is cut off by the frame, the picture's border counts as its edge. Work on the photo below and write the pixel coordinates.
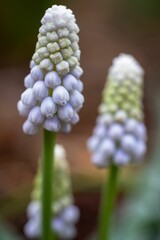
(108, 201)
(49, 140)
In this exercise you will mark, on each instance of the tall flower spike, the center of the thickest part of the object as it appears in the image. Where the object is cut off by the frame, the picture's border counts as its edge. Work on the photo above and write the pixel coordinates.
(119, 137)
(65, 214)
(54, 72)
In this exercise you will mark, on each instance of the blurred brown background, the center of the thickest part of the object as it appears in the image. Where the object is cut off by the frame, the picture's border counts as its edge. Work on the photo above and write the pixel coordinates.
(107, 29)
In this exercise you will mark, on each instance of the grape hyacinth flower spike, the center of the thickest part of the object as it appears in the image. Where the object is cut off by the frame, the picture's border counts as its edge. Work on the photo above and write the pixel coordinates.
(119, 137)
(65, 213)
(53, 95)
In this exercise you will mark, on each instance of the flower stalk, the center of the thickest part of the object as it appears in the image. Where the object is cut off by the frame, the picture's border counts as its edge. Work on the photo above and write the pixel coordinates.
(49, 140)
(109, 194)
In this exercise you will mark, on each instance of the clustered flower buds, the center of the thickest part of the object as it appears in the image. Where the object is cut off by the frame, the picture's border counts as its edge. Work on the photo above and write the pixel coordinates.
(53, 95)
(119, 137)
(65, 213)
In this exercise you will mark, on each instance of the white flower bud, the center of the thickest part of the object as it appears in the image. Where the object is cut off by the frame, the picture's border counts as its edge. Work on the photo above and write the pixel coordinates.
(35, 116)
(80, 86)
(46, 64)
(37, 73)
(29, 128)
(28, 98)
(52, 124)
(107, 147)
(62, 68)
(121, 157)
(93, 143)
(22, 109)
(69, 232)
(116, 131)
(70, 82)
(129, 143)
(120, 116)
(77, 72)
(71, 214)
(65, 113)
(48, 107)
(60, 95)
(29, 81)
(75, 117)
(40, 90)
(76, 99)
(99, 160)
(52, 80)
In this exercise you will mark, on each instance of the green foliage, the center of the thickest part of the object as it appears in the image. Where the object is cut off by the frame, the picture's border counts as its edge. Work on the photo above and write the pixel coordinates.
(6, 233)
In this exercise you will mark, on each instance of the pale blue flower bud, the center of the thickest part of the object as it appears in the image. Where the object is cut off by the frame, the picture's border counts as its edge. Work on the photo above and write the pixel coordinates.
(140, 150)
(32, 63)
(107, 147)
(52, 124)
(77, 72)
(69, 233)
(28, 98)
(58, 225)
(29, 128)
(93, 143)
(70, 82)
(35, 116)
(105, 119)
(129, 143)
(52, 80)
(76, 99)
(66, 128)
(29, 81)
(65, 113)
(71, 214)
(48, 107)
(141, 131)
(75, 118)
(100, 131)
(121, 157)
(116, 131)
(60, 95)
(32, 229)
(131, 125)
(80, 86)
(99, 160)
(23, 109)
(33, 209)
(40, 90)
(37, 73)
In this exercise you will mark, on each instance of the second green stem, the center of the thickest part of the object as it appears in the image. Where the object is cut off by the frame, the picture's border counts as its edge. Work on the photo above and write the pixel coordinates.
(108, 201)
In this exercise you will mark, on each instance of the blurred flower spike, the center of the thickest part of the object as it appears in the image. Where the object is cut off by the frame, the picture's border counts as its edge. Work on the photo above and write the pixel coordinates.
(119, 137)
(65, 213)
(53, 95)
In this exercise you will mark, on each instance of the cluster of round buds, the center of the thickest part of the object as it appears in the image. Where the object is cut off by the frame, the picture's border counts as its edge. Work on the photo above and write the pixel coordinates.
(65, 214)
(53, 95)
(119, 137)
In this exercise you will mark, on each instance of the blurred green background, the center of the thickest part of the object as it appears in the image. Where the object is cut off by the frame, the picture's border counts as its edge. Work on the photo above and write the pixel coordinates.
(107, 29)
